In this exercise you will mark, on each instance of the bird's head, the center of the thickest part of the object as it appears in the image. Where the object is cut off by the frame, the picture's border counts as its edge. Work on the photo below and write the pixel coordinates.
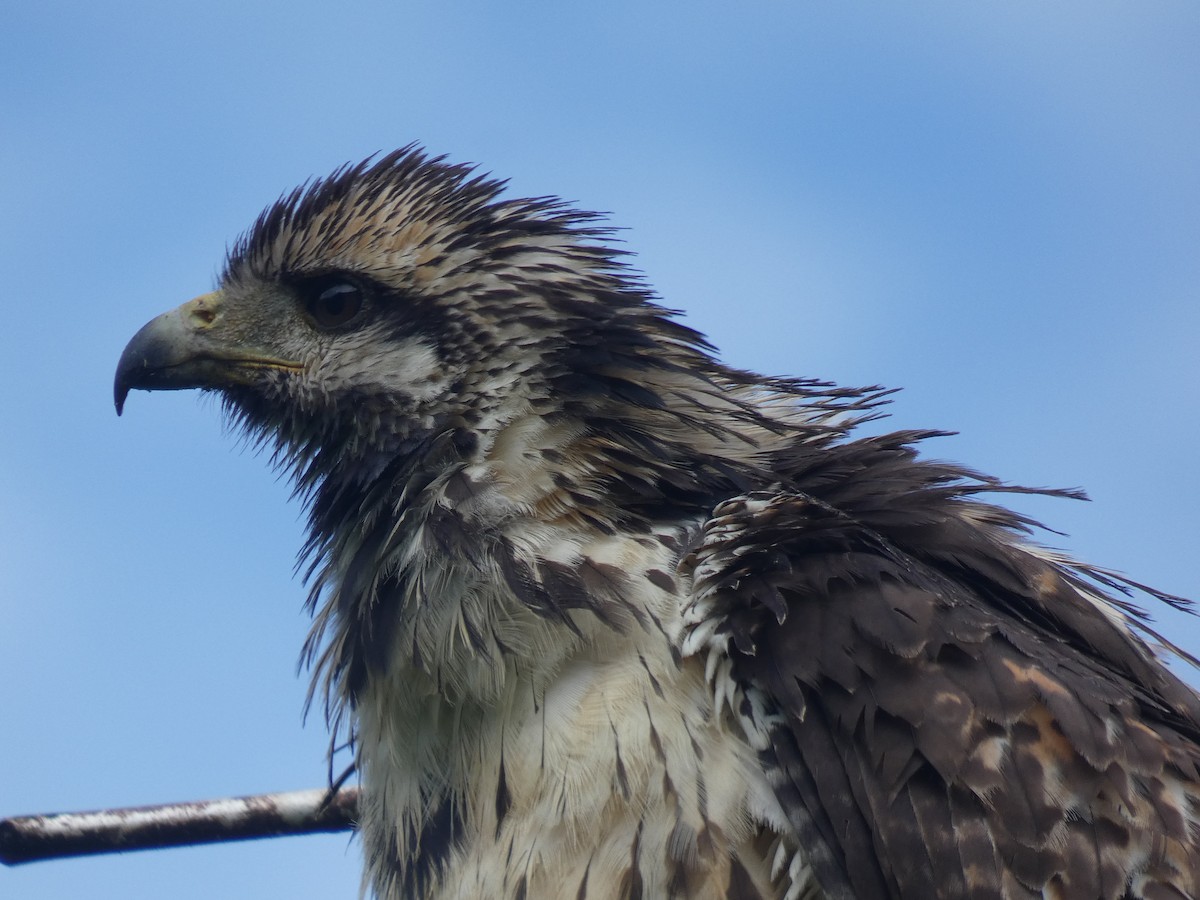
(396, 303)
(400, 316)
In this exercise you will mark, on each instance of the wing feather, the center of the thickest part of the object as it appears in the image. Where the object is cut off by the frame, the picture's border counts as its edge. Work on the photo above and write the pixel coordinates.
(953, 713)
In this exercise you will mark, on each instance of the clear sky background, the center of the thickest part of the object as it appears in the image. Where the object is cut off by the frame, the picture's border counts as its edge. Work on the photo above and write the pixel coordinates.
(993, 206)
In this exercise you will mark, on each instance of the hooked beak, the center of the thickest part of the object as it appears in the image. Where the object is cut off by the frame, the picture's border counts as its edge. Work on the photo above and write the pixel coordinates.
(188, 347)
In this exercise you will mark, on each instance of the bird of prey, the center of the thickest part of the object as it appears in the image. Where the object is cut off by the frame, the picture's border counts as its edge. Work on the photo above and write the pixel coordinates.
(607, 618)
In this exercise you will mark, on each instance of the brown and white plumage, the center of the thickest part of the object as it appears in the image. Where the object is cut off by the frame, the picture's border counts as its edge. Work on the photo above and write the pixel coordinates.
(607, 618)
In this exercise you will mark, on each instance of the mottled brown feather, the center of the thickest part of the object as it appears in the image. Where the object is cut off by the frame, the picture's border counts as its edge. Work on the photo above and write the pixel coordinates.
(1006, 745)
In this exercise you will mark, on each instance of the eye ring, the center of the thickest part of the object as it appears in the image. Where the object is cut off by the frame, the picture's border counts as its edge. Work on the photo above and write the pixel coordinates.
(334, 303)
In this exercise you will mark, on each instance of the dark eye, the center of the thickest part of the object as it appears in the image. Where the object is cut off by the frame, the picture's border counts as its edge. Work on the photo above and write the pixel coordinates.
(334, 303)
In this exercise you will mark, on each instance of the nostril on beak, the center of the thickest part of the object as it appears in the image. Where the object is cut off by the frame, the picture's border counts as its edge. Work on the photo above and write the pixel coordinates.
(203, 311)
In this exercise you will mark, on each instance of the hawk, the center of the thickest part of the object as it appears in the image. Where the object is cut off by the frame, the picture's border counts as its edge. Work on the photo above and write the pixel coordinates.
(607, 618)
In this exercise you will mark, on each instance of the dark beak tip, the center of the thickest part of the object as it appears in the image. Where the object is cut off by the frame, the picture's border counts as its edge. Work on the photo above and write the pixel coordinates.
(126, 377)
(155, 345)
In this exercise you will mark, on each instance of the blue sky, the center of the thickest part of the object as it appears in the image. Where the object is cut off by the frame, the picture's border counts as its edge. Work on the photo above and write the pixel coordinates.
(992, 206)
